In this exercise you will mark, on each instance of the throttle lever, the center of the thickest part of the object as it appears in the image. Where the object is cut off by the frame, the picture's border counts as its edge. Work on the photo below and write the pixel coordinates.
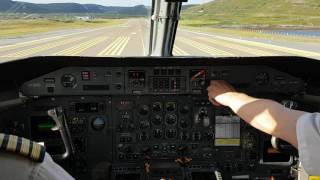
(58, 116)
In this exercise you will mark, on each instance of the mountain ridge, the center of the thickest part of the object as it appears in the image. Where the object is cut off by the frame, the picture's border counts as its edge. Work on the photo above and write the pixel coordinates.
(9, 6)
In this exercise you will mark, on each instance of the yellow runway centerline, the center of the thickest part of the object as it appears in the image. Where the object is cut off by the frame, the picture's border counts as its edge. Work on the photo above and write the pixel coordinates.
(205, 48)
(78, 49)
(118, 51)
(110, 47)
(116, 47)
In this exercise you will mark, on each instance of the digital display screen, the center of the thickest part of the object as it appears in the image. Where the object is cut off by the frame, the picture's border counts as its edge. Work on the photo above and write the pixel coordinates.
(137, 79)
(227, 131)
(41, 128)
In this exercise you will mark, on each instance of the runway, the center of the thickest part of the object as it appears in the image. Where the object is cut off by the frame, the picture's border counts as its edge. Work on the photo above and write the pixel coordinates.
(131, 39)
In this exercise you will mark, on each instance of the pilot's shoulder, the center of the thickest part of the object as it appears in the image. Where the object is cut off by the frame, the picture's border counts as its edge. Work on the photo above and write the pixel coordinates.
(22, 146)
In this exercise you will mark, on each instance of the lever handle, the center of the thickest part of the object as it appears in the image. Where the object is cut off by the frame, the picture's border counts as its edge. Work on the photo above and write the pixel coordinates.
(58, 116)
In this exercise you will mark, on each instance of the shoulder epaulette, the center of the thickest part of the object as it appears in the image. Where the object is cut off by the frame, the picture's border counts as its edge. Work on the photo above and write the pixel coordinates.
(22, 146)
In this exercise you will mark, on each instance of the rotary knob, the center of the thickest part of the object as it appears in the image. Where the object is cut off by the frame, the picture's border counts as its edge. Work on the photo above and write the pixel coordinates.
(157, 120)
(144, 110)
(171, 107)
(69, 81)
(157, 107)
(171, 119)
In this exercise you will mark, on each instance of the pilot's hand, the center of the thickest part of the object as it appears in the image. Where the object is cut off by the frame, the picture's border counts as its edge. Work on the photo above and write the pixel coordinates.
(219, 92)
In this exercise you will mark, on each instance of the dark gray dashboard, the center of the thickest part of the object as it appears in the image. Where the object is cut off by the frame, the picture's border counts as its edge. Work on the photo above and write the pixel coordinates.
(125, 112)
(158, 80)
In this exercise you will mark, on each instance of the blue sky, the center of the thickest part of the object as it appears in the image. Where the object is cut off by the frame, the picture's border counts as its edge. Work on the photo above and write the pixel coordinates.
(108, 2)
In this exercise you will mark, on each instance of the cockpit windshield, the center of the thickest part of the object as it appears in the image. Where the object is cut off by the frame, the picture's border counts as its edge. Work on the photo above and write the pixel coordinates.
(215, 28)
(73, 28)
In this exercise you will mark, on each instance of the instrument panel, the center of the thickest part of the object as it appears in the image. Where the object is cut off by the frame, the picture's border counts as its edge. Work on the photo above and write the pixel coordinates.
(158, 80)
(150, 118)
(157, 123)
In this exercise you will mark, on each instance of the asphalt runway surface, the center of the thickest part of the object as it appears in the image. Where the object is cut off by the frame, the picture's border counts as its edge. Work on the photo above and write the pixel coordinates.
(131, 39)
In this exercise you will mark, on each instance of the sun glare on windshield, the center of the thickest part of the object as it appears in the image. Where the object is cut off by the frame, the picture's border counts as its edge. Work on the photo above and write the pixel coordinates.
(216, 28)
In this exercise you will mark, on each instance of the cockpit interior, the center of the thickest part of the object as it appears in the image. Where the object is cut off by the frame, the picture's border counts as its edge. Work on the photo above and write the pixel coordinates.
(149, 117)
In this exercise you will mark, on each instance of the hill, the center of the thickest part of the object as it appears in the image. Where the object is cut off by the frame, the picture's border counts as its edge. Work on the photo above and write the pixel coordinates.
(255, 13)
(8, 6)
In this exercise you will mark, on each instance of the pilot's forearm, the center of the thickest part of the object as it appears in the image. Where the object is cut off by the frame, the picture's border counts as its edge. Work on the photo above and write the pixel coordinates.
(265, 115)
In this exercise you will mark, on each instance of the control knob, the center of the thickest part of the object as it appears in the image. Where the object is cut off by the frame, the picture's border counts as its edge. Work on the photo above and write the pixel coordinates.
(144, 110)
(157, 120)
(171, 119)
(156, 107)
(69, 81)
(171, 107)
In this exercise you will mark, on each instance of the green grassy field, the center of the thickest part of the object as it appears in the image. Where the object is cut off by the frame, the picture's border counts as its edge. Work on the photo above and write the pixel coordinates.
(19, 27)
(255, 13)
(244, 17)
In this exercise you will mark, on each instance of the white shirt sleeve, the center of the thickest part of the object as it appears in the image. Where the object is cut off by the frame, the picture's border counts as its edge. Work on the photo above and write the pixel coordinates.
(308, 135)
(16, 167)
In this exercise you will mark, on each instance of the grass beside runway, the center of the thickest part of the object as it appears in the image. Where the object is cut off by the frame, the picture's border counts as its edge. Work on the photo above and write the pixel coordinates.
(195, 26)
(13, 28)
(255, 18)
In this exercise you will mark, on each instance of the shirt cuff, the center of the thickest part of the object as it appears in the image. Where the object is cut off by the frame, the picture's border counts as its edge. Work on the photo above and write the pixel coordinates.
(308, 136)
